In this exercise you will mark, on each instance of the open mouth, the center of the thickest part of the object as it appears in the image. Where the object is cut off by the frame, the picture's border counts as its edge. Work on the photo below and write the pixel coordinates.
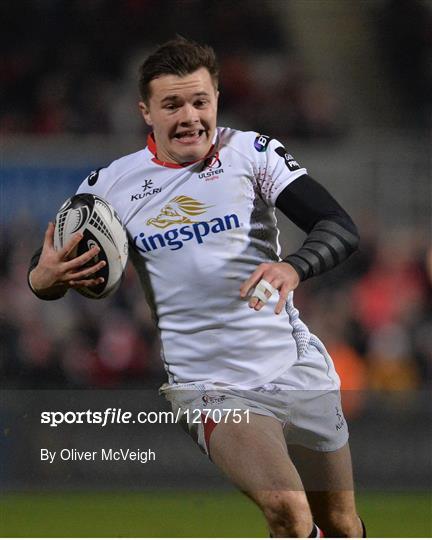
(189, 137)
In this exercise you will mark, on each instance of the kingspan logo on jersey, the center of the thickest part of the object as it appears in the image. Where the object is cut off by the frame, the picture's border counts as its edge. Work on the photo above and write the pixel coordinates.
(183, 210)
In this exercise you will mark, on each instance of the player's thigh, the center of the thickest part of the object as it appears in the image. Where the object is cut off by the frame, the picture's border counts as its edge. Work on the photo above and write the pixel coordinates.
(254, 455)
(328, 480)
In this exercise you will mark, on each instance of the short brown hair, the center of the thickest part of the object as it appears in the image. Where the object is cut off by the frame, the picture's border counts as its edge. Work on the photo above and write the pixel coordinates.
(180, 57)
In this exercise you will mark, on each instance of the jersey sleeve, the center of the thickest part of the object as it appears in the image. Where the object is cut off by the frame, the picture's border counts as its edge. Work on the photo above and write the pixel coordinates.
(275, 167)
(96, 183)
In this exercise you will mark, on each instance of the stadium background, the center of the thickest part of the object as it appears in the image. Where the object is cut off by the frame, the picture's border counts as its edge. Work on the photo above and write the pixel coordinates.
(347, 86)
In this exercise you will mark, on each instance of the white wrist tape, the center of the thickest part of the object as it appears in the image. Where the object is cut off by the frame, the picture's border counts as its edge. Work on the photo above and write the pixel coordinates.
(261, 289)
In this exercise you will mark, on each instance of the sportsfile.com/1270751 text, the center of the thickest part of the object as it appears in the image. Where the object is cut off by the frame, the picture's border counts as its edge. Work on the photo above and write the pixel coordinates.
(112, 416)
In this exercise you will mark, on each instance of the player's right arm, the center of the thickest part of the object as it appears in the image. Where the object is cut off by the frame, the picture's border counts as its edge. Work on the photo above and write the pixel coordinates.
(52, 272)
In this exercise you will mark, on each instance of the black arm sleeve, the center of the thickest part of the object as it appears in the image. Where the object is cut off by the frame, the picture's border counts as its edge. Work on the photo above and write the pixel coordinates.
(33, 263)
(34, 260)
(332, 235)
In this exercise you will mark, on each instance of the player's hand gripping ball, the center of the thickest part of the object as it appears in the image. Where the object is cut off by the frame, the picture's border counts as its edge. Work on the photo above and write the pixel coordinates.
(100, 225)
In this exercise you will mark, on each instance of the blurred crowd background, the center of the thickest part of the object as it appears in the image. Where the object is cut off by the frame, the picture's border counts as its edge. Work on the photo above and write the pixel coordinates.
(319, 75)
(70, 66)
(75, 71)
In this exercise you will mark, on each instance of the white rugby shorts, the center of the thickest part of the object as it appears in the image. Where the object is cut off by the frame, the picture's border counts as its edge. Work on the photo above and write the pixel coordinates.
(305, 399)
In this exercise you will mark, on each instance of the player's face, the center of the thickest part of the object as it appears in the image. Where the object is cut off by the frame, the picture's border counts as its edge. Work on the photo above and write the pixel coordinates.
(182, 112)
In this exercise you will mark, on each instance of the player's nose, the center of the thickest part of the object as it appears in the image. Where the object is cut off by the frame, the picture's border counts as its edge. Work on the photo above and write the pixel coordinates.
(189, 115)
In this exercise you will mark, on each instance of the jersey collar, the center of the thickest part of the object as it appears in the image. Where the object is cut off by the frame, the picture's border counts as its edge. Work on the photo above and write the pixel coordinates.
(151, 145)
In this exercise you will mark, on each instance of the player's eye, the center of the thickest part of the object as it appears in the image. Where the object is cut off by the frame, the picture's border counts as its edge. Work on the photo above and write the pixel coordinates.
(200, 103)
(170, 106)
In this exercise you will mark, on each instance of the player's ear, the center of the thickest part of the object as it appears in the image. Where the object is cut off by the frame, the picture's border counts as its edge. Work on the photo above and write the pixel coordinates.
(145, 111)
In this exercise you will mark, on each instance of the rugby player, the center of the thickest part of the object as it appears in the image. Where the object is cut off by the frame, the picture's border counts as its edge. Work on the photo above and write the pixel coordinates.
(199, 205)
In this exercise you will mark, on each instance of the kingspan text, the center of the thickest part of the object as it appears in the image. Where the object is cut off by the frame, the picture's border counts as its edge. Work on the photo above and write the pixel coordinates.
(175, 238)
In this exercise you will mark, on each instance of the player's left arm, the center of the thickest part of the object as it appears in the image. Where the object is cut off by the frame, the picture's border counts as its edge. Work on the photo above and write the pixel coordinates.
(331, 238)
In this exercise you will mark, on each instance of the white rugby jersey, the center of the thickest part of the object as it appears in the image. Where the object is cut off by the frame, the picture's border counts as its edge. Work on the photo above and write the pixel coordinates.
(198, 231)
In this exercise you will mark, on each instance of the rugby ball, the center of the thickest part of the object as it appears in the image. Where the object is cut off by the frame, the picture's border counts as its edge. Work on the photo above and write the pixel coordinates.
(97, 220)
